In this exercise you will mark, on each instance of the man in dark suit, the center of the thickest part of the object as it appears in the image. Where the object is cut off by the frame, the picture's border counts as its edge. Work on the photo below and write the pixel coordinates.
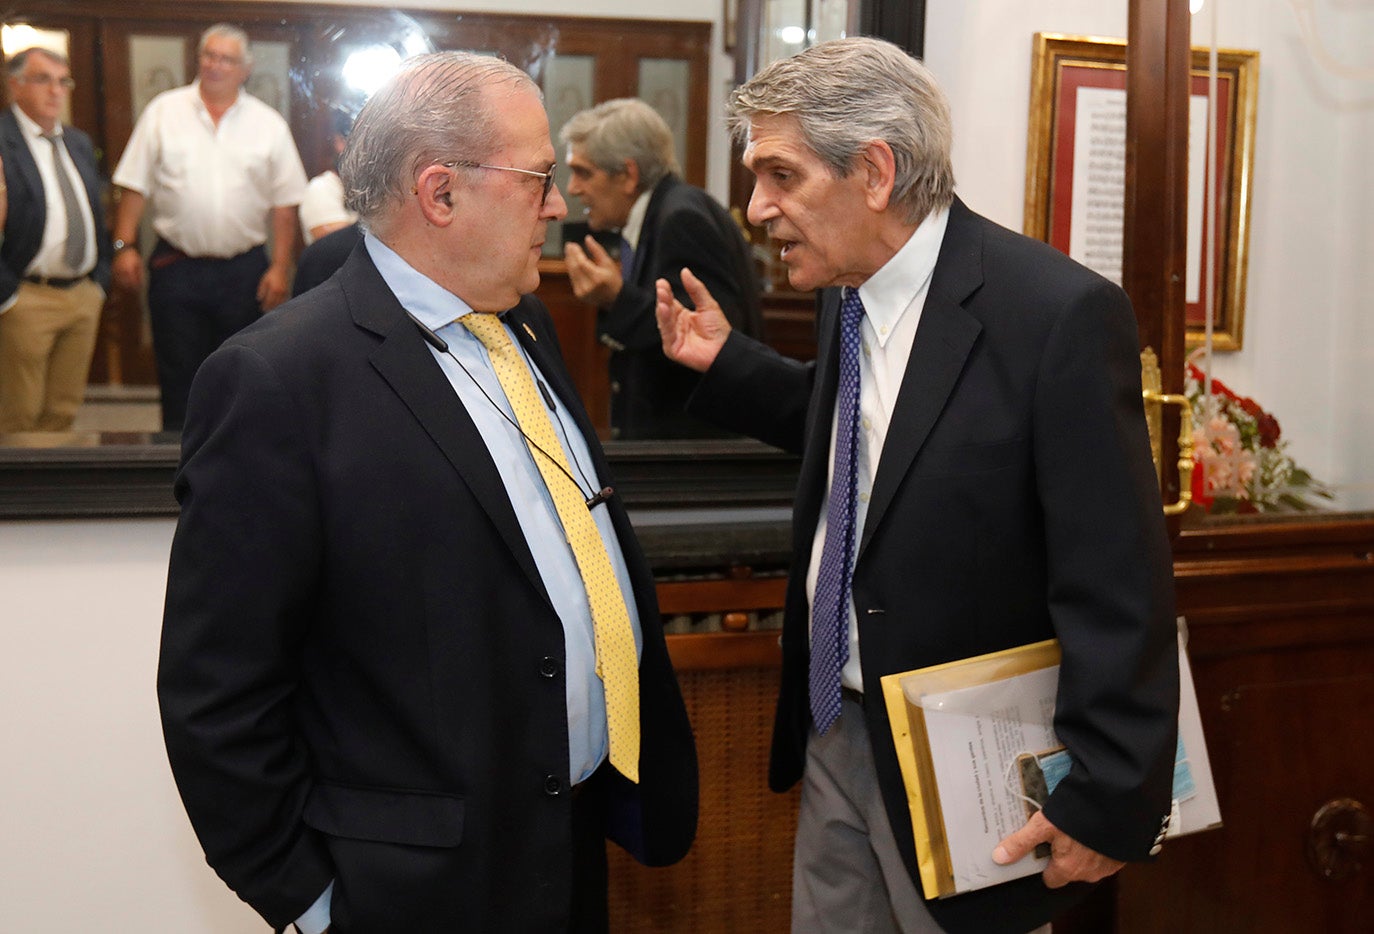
(55, 260)
(976, 476)
(623, 167)
(383, 653)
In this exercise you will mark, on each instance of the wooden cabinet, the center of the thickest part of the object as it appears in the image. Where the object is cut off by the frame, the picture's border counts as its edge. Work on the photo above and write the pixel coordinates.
(1281, 623)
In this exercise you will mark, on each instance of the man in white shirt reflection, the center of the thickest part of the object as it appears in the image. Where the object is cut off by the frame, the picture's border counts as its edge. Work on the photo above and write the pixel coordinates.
(222, 174)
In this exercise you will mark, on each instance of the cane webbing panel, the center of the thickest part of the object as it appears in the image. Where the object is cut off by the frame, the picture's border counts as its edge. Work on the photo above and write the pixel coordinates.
(738, 876)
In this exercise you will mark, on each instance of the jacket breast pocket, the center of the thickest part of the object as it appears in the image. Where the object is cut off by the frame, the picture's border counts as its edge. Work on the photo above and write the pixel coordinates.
(985, 457)
(414, 818)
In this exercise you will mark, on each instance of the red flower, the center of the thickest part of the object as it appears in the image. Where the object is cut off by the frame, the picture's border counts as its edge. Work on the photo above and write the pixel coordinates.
(1199, 485)
(1251, 408)
(1268, 430)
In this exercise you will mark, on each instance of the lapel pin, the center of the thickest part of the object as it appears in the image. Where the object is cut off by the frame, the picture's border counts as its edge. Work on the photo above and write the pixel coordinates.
(529, 332)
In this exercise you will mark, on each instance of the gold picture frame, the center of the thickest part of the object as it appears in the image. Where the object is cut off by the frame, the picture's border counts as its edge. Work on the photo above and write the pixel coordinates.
(1064, 168)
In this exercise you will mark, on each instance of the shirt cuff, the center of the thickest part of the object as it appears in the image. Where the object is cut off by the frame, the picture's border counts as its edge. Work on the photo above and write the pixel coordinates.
(316, 918)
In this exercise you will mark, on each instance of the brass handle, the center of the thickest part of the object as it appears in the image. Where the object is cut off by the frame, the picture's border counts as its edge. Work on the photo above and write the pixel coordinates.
(1185, 447)
(1150, 377)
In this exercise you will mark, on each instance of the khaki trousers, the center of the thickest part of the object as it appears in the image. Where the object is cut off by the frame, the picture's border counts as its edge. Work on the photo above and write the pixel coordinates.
(46, 341)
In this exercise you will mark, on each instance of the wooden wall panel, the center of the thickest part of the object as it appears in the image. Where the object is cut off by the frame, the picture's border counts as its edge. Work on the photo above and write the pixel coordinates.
(738, 876)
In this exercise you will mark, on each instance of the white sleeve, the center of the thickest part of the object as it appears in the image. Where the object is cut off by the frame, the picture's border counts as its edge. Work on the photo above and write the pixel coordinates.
(136, 165)
(288, 175)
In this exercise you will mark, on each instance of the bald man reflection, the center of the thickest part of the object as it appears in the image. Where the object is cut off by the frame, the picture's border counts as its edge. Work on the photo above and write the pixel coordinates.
(380, 662)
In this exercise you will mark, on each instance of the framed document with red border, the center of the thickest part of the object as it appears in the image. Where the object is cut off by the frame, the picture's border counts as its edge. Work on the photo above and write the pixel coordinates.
(1076, 164)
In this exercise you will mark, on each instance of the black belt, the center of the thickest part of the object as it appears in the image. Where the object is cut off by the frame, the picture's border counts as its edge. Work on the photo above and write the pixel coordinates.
(56, 283)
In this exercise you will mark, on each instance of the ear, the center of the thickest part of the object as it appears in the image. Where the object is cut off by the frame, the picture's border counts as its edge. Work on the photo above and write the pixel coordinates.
(879, 168)
(631, 174)
(434, 192)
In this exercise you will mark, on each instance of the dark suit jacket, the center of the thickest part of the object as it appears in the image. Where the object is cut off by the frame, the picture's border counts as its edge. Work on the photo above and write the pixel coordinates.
(322, 259)
(362, 676)
(1014, 501)
(28, 211)
(683, 226)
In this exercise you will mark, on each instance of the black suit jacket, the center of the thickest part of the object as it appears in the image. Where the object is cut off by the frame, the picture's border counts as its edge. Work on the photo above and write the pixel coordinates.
(27, 210)
(362, 676)
(683, 226)
(1015, 500)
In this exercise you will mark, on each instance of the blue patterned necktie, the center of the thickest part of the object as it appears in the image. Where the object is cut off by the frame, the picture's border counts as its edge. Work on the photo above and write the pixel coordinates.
(627, 258)
(834, 582)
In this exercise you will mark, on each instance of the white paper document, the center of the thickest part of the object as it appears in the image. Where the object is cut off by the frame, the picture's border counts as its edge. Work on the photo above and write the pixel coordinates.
(995, 760)
(977, 734)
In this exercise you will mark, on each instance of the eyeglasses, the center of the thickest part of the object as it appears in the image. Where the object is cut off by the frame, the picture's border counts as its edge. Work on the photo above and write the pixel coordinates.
(47, 81)
(546, 176)
(214, 58)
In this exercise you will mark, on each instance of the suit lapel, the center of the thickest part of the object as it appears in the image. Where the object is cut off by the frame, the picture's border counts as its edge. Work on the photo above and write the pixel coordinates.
(18, 148)
(944, 338)
(403, 359)
(646, 244)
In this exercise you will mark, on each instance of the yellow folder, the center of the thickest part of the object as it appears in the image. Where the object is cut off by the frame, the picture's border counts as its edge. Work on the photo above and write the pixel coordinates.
(913, 745)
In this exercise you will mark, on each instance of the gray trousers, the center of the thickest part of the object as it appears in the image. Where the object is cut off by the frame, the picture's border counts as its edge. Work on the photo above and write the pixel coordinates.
(847, 874)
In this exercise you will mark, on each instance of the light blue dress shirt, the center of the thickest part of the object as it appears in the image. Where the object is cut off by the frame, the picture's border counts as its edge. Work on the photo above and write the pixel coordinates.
(439, 310)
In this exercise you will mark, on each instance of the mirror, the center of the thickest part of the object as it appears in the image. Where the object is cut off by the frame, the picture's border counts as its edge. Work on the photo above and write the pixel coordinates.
(313, 62)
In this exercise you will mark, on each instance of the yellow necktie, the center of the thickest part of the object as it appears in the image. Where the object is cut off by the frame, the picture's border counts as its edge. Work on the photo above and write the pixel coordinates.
(616, 663)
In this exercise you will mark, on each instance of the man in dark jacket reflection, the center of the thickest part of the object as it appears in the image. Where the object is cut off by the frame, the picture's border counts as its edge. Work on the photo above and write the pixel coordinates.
(623, 168)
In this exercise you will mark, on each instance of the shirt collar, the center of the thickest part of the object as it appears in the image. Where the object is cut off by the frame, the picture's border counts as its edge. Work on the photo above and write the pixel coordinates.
(200, 101)
(634, 223)
(418, 294)
(30, 126)
(891, 290)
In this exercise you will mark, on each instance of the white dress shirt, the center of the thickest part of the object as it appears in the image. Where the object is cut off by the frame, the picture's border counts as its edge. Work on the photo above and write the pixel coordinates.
(634, 221)
(211, 187)
(893, 299)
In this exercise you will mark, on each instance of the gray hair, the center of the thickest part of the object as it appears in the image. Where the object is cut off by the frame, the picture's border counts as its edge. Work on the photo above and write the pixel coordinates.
(625, 128)
(848, 92)
(18, 60)
(433, 109)
(227, 31)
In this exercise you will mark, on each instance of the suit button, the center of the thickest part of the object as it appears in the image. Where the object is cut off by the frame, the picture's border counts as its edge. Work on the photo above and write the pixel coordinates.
(1155, 850)
(615, 385)
(552, 786)
(548, 666)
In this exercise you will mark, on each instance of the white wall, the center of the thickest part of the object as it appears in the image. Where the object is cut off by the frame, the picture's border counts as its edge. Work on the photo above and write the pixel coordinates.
(92, 834)
(1308, 352)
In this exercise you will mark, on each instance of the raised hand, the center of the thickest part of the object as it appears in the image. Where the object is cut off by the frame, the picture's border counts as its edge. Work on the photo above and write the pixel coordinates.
(596, 278)
(692, 338)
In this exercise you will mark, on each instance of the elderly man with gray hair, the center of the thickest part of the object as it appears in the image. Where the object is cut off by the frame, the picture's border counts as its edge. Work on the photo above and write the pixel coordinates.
(976, 476)
(623, 168)
(413, 674)
(220, 171)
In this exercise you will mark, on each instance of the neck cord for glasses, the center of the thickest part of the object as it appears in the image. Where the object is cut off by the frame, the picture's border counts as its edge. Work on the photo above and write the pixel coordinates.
(596, 498)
